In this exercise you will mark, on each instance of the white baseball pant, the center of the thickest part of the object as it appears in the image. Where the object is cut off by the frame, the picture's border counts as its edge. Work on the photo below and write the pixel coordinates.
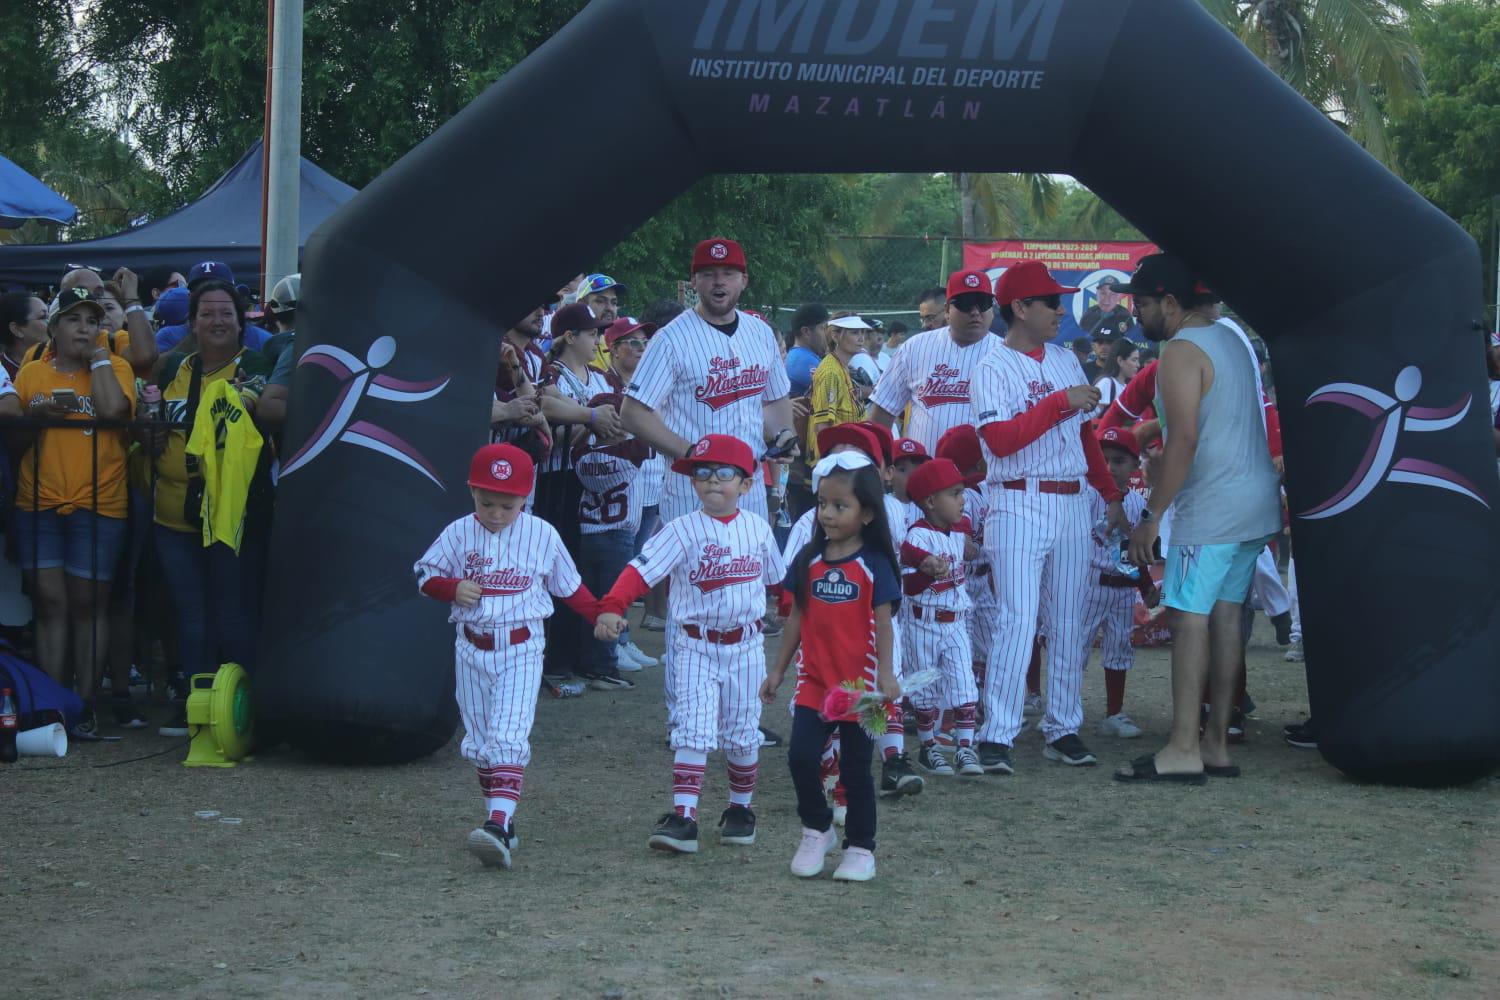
(1271, 592)
(713, 694)
(497, 692)
(1113, 609)
(942, 646)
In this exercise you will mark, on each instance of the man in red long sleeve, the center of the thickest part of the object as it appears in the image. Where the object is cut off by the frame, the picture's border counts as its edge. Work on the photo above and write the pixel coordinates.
(1031, 402)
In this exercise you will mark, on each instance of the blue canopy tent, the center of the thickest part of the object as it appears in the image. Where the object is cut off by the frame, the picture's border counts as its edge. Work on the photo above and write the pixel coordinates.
(224, 224)
(23, 198)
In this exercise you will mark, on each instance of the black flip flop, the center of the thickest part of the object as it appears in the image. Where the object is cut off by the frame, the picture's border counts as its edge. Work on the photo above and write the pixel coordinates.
(1225, 771)
(1143, 769)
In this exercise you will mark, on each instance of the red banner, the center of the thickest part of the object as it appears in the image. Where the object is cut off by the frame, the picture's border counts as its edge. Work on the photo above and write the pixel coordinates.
(1057, 255)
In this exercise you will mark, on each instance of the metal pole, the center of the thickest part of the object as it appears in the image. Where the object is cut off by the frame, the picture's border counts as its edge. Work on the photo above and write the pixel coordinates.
(265, 144)
(284, 182)
(1495, 215)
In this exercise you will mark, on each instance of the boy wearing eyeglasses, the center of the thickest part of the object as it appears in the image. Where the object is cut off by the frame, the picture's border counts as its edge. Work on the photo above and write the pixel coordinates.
(720, 561)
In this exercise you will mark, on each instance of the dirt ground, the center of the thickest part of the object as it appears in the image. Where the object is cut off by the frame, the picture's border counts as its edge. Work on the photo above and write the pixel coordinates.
(349, 882)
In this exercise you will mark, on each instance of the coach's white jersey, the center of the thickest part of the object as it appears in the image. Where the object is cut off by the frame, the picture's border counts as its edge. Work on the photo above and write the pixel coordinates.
(720, 571)
(1105, 560)
(516, 568)
(802, 531)
(933, 373)
(1007, 384)
(611, 498)
(950, 593)
(981, 583)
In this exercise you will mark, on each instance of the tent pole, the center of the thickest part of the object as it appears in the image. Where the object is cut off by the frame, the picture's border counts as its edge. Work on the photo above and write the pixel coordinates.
(265, 143)
(284, 145)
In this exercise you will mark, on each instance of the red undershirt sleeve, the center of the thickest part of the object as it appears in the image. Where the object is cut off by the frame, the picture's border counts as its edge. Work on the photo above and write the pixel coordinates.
(630, 586)
(1099, 477)
(583, 603)
(1273, 430)
(1006, 437)
(441, 588)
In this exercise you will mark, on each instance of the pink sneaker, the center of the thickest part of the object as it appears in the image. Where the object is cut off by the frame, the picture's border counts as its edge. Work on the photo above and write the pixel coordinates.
(858, 866)
(808, 861)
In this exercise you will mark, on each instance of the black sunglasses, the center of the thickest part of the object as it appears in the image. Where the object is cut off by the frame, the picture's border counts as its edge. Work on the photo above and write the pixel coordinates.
(970, 301)
(1050, 301)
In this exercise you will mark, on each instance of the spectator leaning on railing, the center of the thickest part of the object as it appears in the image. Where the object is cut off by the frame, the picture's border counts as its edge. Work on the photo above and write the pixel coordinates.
(70, 497)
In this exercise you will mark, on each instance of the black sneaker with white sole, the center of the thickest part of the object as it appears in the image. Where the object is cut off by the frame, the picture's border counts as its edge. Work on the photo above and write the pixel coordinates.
(768, 738)
(1070, 750)
(492, 844)
(995, 758)
(609, 682)
(737, 826)
(897, 778)
(1302, 735)
(126, 717)
(676, 834)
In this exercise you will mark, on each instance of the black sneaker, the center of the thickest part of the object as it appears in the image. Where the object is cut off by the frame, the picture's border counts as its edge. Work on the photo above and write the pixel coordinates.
(898, 779)
(1235, 733)
(492, 844)
(1283, 624)
(769, 738)
(126, 717)
(676, 834)
(736, 826)
(608, 682)
(1070, 750)
(995, 758)
(177, 725)
(86, 729)
(1303, 735)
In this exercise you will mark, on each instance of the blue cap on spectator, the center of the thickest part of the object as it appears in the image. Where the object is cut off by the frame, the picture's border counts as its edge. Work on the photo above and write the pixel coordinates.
(210, 269)
(172, 307)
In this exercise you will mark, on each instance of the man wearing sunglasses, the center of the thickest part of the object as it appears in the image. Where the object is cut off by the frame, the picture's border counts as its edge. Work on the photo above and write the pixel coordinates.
(932, 371)
(1031, 403)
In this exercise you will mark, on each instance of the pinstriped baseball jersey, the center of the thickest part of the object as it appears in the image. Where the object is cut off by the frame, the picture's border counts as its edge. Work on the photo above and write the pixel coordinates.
(611, 499)
(933, 373)
(981, 582)
(719, 571)
(951, 593)
(1009, 383)
(1104, 560)
(517, 568)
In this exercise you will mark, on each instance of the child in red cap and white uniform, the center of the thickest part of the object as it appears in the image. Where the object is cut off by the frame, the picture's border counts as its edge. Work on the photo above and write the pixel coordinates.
(499, 568)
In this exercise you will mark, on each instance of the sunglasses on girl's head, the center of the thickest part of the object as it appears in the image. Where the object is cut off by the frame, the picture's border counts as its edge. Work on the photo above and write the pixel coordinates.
(723, 473)
(970, 301)
(1050, 301)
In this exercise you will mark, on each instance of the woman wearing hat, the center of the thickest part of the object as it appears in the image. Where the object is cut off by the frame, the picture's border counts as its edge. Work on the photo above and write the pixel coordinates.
(834, 398)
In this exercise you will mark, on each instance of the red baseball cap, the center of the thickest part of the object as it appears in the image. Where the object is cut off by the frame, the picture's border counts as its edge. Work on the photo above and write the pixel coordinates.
(884, 436)
(932, 477)
(909, 448)
(717, 251)
(1026, 280)
(718, 449)
(1117, 438)
(969, 283)
(851, 434)
(624, 327)
(502, 468)
(575, 318)
(961, 446)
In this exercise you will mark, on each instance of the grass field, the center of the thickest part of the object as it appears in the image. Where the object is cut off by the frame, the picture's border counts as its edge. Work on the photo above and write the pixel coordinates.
(350, 882)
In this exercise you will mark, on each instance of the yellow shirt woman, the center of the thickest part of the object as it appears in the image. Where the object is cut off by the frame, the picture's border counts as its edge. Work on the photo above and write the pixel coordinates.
(58, 470)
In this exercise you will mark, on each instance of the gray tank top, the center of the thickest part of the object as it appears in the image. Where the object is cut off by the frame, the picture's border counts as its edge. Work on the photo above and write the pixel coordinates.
(1232, 493)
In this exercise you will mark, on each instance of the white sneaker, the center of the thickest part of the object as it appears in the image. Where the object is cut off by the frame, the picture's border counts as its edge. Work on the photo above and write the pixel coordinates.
(1034, 705)
(1120, 725)
(639, 655)
(624, 662)
(858, 866)
(1294, 655)
(808, 861)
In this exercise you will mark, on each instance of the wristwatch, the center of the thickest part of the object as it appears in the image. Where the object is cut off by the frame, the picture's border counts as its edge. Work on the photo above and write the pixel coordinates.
(1146, 516)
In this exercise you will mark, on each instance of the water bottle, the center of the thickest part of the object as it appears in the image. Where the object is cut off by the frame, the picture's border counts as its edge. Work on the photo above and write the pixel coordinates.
(9, 724)
(1117, 544)
(783, 516)
(153, 408)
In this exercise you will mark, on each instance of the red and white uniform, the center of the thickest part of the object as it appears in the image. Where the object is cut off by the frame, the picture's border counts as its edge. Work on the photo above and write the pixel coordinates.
(702, 381)
(1039, 533)
(936, 630)
(519, 570)
(933, 373)
(1111, 606)
(612, 499)
(982, 592)
(719, 572)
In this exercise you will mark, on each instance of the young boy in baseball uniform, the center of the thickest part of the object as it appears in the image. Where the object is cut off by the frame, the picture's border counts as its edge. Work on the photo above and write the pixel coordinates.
(496, 568)
(720, 560)
(961, 446)
(937, 631)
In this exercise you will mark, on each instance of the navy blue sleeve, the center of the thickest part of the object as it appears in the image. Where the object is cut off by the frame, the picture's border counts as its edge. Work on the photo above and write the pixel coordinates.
(887, 583)
(791, 584)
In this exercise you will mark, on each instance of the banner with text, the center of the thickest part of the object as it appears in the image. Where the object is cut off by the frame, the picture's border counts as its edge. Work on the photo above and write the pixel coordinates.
(1079, 265)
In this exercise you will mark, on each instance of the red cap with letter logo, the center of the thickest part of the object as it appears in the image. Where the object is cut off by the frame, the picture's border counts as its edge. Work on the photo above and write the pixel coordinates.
(969, 283)
(502, 468)
(960, 445)
(932, 477)
(1027, 280)
(717, 251)
(830, 438)
(1116, 437)
(909, 448)
(884, 436)
(717, 449)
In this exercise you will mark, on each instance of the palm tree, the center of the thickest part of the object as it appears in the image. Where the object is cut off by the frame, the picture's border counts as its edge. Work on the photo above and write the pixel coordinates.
(1351, 59)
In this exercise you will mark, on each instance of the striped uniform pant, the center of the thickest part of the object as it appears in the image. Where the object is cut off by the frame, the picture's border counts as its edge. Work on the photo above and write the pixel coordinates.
(1112, 609)
(1041, 546)
(944, 647)
(497, 692)
(713, 694)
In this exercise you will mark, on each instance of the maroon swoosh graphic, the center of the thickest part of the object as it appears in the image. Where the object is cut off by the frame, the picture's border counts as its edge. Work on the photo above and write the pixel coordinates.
(1425, 468)
(709, 586)
(719, 402)
(324, 361)
(317, 435)
(386, 382)
(1353, 402)
(1358, 476)
(387, 438)
(1431, 413)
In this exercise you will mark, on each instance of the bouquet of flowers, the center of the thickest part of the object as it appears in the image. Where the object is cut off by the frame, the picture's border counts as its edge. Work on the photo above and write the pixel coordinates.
(852, 701)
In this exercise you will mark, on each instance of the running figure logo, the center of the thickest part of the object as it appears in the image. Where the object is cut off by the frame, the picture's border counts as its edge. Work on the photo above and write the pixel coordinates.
(361, 380)
(1392, 416)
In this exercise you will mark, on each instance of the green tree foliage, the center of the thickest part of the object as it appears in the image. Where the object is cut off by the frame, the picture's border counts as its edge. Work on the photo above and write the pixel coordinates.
(41, 85)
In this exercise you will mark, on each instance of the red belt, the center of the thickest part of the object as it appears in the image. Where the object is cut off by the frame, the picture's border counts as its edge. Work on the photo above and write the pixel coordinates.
(486, 640)
(727, 637)
(1117, 580)
(1065, 487)
(918, 612)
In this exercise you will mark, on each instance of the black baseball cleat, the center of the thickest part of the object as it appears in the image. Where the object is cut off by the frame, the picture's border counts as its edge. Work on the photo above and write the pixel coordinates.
(676, 834)
(736, 826)
(1070, 750)
(1283, 625)
(897, 778)
(1302, 735)
(492, 844)
(768, 738)
(995, 758)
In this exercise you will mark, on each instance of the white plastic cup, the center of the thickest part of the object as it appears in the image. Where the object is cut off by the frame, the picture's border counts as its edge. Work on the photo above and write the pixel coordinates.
(44, 741)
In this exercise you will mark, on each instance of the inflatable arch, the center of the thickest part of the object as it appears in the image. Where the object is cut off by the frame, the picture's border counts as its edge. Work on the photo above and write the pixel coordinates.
(1366, 293)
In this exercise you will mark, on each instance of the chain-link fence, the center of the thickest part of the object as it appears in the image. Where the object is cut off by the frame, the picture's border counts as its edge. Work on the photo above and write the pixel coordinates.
(879, 276)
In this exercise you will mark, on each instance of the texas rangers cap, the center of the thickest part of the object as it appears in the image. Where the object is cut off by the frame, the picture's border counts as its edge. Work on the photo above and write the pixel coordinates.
(969, 283)
(172, 306)
(932, 477)
(1163, 274)
(73, 298)
(502, 468)
(717, 449)
(960, 445)
(1116, 437)
(910, 449)
(216, 269)
(574, 318)
(854, 435)
(1027, 280)
(884, 436)
(717, 251)
(624, 327)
